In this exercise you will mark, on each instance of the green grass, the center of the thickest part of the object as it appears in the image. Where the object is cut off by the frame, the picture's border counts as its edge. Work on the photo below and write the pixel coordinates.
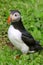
(32, 17)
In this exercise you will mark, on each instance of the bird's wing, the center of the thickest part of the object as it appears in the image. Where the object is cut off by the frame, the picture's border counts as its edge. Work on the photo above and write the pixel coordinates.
(27, 38)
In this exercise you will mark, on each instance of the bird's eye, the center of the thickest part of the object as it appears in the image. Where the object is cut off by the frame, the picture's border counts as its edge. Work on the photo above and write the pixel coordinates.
(15, 14)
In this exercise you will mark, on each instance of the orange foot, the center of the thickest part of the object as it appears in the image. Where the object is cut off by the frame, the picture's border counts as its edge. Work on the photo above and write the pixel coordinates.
(17, 57)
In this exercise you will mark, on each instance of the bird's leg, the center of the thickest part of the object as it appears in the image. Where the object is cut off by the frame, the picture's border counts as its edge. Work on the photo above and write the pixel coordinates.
(17, 56)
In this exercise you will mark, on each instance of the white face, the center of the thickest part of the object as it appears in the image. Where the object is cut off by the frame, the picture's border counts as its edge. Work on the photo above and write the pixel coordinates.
(15, 17)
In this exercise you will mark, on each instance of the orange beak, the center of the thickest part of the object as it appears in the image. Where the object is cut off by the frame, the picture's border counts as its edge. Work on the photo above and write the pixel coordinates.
(8, 19)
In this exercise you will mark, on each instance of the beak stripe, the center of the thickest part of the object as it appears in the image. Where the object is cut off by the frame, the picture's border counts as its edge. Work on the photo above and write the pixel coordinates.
(9, 19)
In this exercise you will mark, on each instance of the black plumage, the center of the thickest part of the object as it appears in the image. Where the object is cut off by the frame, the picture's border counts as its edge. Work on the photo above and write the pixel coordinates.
(27, 37)
(13, 11)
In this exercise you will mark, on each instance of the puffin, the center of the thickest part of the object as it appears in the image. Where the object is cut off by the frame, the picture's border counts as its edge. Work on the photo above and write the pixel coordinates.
(19, 36)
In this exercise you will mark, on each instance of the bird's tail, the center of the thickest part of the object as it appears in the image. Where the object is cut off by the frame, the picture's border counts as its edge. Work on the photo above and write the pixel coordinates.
(38, 47)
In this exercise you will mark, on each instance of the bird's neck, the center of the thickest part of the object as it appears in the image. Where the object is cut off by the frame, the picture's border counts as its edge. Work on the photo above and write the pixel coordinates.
(18, 25)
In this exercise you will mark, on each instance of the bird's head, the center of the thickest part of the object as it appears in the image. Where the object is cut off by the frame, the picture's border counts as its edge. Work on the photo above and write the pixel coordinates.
(15, 16)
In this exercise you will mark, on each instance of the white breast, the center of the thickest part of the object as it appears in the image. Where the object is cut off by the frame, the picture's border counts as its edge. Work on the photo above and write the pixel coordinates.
(14, 36)
(14, 33)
